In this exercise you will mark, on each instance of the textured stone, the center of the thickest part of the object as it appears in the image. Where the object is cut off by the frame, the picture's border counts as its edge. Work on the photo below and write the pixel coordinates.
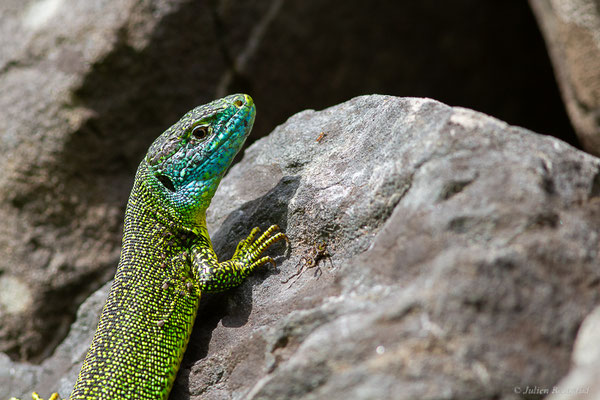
(572, 32)
(84, 91)
(58, 372)
(462, 260)
(582, 380)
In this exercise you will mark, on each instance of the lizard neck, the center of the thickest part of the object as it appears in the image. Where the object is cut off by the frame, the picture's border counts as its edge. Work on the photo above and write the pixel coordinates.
(148, 317)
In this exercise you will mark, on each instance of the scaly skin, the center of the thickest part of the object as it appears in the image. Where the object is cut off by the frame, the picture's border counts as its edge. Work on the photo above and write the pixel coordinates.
(167, 258)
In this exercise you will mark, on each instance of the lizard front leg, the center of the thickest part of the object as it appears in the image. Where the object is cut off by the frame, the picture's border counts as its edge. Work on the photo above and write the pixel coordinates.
(215, 276)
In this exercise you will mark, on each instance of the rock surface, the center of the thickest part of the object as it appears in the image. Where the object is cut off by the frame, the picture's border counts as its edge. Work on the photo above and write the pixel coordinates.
(582, 381)
(463, 257)
(572, 32)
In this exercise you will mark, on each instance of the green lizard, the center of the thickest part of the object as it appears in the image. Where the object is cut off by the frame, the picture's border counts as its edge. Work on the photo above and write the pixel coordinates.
(167, 258)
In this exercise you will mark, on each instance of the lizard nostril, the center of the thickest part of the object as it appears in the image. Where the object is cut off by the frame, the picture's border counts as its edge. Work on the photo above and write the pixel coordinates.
(166, 182)
(238, 103)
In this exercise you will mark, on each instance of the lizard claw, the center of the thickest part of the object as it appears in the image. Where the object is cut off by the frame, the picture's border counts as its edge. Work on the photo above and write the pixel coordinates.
(250, 250)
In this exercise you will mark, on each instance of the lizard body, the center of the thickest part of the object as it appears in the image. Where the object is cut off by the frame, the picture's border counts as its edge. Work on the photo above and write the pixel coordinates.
(167, 258)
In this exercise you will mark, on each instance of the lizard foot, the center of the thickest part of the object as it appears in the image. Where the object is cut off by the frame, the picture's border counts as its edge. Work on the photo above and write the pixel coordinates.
(36, 396)
(249, 251)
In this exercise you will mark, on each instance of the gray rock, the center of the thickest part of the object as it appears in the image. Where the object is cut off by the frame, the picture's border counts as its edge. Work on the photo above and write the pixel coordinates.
(59, 228)
(572, 32)
(462, 260)
(58, 372)
(582, 380)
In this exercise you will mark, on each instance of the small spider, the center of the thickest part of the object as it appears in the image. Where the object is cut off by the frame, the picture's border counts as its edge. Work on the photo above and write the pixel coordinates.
(311, 260)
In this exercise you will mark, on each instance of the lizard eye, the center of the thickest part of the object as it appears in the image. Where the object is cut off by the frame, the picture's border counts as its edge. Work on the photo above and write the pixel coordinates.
(200, 132)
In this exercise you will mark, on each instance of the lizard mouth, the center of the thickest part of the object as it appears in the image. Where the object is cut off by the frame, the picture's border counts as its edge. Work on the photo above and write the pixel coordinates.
(210, 154)
(243, 113)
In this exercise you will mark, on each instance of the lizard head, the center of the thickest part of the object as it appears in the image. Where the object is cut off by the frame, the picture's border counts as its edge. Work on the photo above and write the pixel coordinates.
(186, 163)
